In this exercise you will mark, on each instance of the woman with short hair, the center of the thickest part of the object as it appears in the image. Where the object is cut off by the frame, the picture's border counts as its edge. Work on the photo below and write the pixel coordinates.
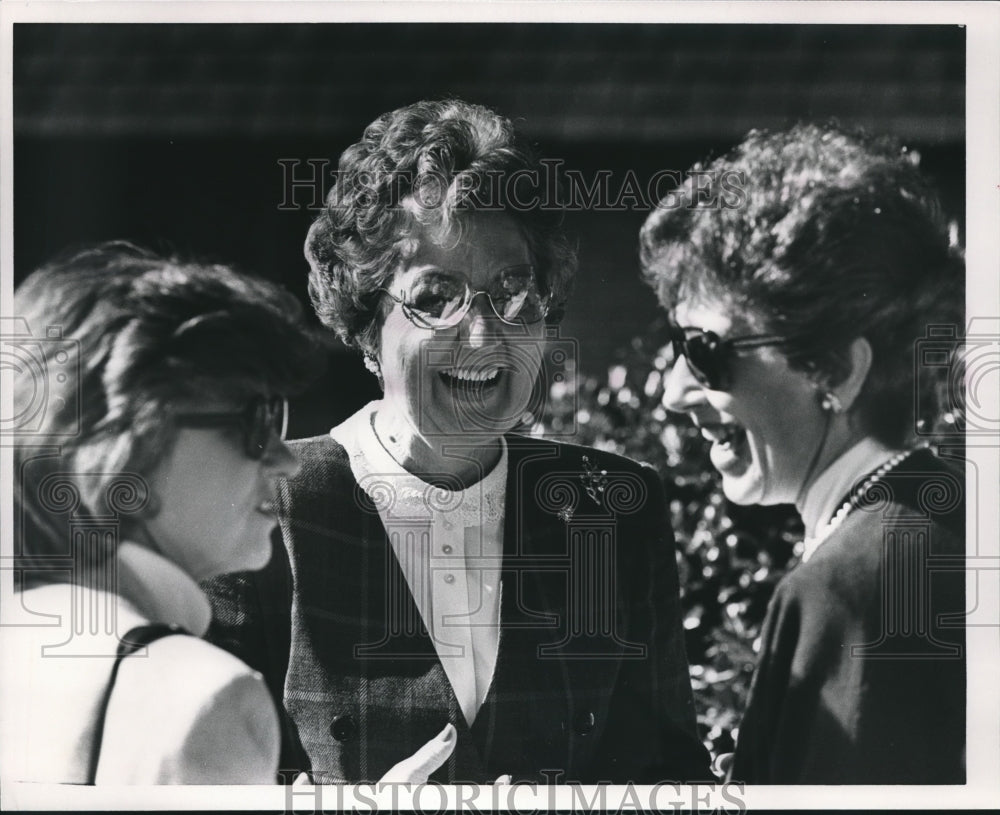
(798, 303)
(443, 569)
(151, 467)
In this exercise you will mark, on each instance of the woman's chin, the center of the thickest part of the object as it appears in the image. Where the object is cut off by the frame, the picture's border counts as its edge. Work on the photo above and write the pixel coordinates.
(479, 415)
(744, 492)
(489, 408)
(256, 555)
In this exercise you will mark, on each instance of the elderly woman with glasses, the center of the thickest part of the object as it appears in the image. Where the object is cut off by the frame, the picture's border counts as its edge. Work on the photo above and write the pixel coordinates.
(799, 305)
(150, 417)
(445, 573)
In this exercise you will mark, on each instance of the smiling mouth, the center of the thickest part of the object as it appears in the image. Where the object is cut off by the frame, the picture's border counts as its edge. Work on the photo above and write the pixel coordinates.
(723, 435)
(472, 380)
(730, 453)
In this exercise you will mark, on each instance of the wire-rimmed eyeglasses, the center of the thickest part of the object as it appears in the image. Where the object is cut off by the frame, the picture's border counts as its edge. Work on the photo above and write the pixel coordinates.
(441, 299)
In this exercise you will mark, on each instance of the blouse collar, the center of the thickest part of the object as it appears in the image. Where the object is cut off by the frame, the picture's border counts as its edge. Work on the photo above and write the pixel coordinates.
(160, 590)
(828, 492)
(375, 470)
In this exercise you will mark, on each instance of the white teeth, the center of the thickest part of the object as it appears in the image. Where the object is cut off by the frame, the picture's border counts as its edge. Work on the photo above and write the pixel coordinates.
(469, 375)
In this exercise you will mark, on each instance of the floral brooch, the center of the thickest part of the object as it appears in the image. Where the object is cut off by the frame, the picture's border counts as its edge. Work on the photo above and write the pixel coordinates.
(595, 483)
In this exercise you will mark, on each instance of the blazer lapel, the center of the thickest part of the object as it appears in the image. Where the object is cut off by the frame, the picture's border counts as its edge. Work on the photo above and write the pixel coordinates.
(540, 637)
(533, 538)
(397, 629)
(400, 636)
(532, 615)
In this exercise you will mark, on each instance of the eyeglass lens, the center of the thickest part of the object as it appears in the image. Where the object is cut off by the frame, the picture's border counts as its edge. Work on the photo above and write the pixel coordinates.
(441, 299)
(261, 417)
(708, 356)
(266, 416)
(705, 354)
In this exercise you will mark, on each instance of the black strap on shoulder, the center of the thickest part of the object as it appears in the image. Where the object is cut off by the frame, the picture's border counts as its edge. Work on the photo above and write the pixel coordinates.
(134, 639)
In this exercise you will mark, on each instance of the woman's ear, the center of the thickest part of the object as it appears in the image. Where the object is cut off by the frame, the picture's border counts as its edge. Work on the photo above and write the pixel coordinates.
(859, 358)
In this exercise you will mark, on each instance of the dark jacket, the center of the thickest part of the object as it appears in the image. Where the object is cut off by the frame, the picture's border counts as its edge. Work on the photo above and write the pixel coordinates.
(591, 682)
(861, 677)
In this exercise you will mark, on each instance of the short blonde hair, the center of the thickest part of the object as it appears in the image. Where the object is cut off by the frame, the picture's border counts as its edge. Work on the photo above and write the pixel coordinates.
(150, 332)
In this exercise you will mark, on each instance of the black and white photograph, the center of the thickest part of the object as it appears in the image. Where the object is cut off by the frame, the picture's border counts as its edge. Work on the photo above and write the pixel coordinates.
(499, 406)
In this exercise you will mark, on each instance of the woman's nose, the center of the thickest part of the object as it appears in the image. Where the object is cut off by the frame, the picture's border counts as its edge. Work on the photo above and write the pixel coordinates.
(480, 327)
(279, 458)
(681, 390)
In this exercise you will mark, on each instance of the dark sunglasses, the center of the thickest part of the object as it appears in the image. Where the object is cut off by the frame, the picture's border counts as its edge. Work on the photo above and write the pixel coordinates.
(709, 357)
(441, 299)
(262, 417)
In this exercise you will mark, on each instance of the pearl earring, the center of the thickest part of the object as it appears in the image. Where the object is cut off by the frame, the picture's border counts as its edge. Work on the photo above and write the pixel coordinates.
(371, 363)
(830, 403)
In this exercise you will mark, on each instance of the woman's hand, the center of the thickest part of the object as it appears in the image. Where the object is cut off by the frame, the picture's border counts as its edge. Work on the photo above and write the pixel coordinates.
(418, 768)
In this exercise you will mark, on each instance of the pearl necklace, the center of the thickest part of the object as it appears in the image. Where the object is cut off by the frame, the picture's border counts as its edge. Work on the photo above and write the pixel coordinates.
(812, 543)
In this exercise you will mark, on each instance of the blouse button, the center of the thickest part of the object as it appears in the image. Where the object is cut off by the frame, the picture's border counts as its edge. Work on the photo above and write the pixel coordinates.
(447, 549)
(449, 578)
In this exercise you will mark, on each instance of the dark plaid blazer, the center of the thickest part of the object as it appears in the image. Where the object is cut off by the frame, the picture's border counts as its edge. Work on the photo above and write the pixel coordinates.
(591, 681)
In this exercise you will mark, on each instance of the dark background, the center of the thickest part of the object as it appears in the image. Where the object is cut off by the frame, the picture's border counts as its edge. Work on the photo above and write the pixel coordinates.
(170, 135)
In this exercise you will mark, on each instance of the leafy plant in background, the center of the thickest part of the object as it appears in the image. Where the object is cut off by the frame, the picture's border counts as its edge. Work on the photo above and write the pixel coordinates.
(729, 557)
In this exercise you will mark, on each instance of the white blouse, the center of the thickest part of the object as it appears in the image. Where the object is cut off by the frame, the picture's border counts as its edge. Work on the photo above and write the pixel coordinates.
(449, 545)
(182, 711)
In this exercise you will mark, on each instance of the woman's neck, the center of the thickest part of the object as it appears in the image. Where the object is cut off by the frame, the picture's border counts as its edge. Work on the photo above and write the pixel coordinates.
(160, 589)
(827, 492)
(441, 462)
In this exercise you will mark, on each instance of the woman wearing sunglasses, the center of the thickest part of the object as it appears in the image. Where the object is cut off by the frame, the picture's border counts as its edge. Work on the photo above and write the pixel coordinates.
(149, 399)
(798, 313)
(440, 577)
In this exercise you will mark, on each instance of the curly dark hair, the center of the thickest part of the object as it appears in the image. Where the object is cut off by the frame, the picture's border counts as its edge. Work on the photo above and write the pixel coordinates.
(150, 333)
(423, 164)
(821, 235)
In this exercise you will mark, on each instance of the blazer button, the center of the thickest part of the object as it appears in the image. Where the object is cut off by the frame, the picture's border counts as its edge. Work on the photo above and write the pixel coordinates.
(583, 723)
(344, 728)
